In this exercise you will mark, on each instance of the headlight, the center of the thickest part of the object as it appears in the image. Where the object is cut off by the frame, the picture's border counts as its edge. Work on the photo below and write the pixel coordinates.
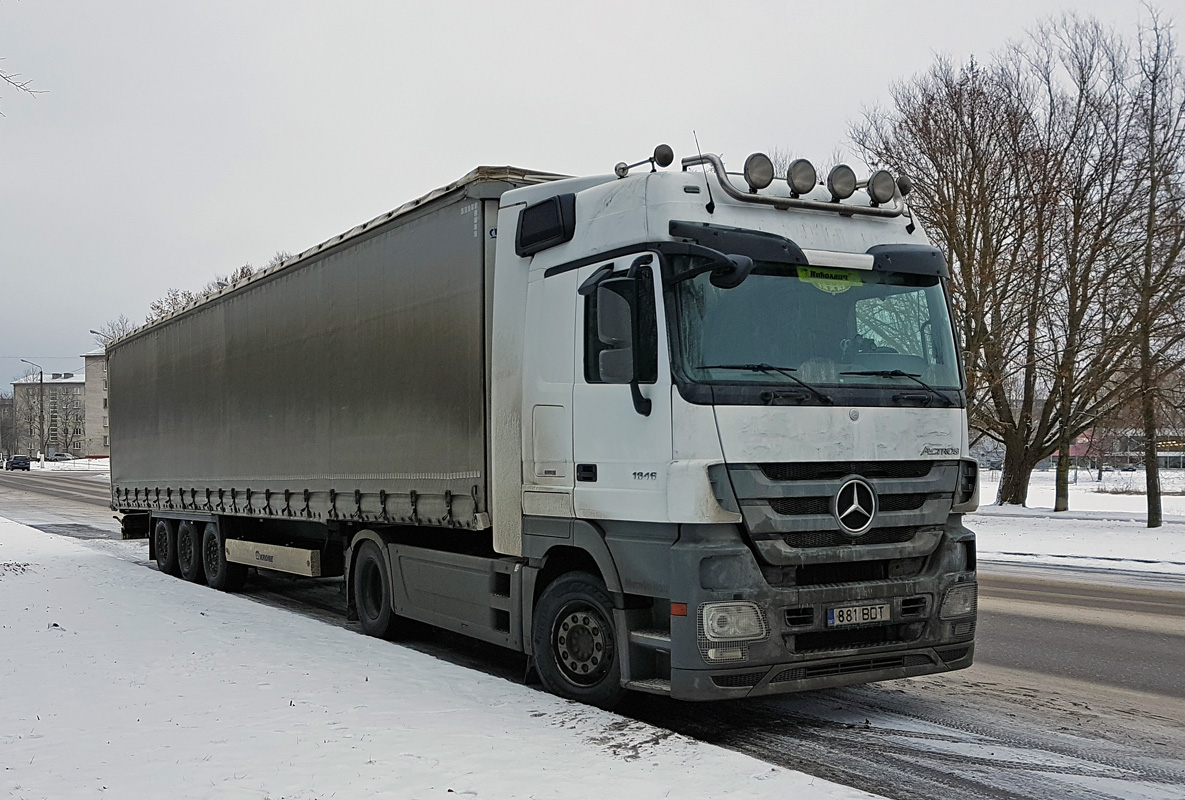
(730, 622)
(960, 601)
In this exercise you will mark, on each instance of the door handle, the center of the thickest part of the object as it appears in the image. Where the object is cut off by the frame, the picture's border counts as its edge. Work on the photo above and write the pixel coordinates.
(586, 473)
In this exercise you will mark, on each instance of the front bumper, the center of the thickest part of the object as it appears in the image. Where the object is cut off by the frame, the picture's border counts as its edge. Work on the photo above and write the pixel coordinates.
(801, 652)
(818, 673)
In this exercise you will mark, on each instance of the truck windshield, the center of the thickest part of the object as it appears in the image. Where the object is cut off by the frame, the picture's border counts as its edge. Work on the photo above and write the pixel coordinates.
(831, 327)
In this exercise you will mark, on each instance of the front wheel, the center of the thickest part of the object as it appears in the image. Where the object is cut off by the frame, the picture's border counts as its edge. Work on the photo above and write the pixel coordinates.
(575, 641)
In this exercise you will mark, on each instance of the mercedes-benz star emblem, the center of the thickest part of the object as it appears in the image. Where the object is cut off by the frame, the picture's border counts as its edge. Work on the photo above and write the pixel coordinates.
(855, 506)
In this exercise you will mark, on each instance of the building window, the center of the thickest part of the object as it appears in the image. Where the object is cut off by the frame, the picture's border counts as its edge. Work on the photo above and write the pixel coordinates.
(106, 443)
(104, 402)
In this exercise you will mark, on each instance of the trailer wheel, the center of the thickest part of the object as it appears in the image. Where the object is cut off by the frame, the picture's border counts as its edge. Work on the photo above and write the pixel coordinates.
(189, 552)
(372, 593)
(164, 541)
(226, 576)
(575, 641)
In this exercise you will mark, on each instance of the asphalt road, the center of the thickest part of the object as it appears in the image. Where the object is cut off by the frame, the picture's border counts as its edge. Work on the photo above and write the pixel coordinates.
(1078, 690)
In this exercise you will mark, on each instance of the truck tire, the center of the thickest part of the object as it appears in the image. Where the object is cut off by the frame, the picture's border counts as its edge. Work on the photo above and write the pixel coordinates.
(189, 552)
(226, 576)
(575, 641)
(372, 593)
(164, 542)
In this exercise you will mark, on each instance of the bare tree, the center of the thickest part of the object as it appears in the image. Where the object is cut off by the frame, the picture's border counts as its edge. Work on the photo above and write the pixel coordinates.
(1161, 123)
(283, 255)
(21, 84)
(1027, 172)
(956, 132)
(177, 299)
(113, 329)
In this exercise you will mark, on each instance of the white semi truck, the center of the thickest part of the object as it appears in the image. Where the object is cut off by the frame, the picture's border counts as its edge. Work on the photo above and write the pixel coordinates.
(679, 431)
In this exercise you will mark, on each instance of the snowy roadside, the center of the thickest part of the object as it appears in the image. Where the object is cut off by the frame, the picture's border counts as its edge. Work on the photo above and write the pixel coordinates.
(1101, 530)
(118, 681)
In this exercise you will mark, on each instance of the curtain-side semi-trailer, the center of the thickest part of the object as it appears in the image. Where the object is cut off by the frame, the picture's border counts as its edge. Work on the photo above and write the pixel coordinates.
(677, 431)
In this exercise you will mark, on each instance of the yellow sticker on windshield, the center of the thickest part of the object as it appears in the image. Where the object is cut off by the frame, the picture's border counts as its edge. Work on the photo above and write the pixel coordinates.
(832, 281)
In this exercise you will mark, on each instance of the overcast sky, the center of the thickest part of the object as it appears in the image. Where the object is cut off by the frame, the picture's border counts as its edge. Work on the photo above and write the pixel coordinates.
(175, 140)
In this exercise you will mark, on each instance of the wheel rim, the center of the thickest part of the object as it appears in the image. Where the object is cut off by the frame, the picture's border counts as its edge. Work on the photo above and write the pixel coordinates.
(581, 643)
(162, 544)
(371, 583)
(212, 552)
(185, 549)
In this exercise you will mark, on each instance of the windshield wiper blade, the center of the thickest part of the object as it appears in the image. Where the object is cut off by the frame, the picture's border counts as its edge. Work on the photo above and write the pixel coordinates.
(897, 373)
(768, 368)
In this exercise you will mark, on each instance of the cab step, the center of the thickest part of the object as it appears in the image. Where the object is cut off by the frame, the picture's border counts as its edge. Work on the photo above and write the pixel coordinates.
(651, 685)
(653, 639)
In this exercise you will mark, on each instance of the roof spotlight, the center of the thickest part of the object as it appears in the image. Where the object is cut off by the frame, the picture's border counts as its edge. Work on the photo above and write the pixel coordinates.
(759, 171)
(881, 186)
(801, 176)
(841, 182)
(904, 185)
(663, 155)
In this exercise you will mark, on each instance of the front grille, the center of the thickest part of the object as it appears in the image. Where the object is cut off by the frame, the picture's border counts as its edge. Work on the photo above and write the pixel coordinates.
(858, 571)
(913, 606)
(831, 470)
(790, 506)
(837, 539)
(848, 637)
(901, 502)
(744, 679)
(852, 666)
(796, 617)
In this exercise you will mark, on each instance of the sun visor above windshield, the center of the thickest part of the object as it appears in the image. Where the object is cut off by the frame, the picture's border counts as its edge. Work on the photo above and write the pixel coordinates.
(917, 259)
(757, 245)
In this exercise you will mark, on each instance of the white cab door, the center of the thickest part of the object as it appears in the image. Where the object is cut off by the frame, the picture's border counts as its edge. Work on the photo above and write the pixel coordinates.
(628, 452)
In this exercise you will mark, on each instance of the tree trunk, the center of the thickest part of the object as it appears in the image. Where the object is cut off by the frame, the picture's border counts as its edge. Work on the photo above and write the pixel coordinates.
(1062, 501)
(1014, 482)
(1151, 464)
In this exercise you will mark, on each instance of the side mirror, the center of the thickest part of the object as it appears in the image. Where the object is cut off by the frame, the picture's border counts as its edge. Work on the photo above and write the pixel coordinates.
(732, 273)
(616, 298)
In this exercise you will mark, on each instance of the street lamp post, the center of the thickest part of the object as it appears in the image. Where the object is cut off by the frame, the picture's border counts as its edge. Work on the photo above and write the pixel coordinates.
(40, 405)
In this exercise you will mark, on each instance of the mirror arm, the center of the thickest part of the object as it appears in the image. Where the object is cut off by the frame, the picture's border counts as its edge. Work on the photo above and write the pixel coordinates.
(642, 404)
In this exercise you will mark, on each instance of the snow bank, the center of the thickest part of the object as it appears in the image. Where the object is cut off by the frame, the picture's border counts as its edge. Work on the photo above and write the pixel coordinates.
(118, 681)
(1101, 529)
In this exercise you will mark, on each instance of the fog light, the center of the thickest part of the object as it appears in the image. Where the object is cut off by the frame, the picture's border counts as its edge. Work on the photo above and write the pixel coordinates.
(841, 182)
(960, 601)
(730, 622)
(881, 186)
(759, 171)
(801, 176)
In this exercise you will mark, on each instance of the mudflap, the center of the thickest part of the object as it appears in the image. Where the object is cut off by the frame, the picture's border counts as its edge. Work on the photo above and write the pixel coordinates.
(136, 526)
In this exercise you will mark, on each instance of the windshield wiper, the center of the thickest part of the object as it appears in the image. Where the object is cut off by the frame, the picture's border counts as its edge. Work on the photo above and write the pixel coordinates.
(897, 373)
(768, 368)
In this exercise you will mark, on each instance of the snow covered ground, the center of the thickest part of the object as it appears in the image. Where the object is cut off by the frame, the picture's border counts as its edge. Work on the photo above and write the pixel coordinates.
(1102, 529)
(74, 465)
(119, 681)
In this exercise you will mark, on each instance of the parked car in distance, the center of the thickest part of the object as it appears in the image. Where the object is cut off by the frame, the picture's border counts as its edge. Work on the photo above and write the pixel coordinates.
(60, 457)
(18, 462)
